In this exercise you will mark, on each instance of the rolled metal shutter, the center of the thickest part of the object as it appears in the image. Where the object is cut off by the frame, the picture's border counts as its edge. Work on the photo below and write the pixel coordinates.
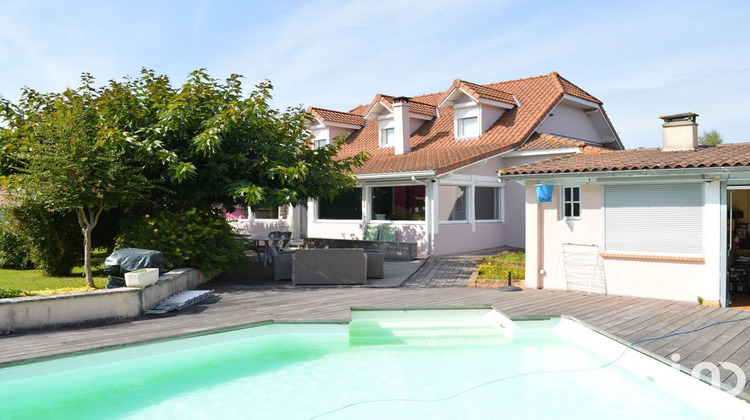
(660, 219)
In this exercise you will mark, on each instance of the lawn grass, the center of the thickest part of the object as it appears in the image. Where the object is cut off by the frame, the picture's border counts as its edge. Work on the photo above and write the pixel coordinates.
(34, 282)
(498, 266)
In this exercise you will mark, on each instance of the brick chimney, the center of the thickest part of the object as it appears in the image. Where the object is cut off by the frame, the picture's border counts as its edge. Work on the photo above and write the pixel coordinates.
(401, 125)
(680, 132)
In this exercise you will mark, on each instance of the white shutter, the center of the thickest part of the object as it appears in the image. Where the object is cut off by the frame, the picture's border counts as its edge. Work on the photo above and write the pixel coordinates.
(660, 219)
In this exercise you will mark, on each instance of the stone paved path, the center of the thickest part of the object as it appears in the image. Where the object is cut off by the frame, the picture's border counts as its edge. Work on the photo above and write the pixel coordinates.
(450, 271)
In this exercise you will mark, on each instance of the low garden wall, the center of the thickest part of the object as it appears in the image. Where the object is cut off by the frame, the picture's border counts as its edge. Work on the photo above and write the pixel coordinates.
(394, 251)
(36, 313)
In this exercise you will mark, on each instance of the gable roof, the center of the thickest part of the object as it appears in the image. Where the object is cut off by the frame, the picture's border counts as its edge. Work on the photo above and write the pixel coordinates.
(723, 155)
(480, 92)
(415, 106)
(433, 146)
(327, 115)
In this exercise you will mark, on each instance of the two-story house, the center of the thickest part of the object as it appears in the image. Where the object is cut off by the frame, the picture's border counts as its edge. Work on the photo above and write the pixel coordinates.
(434, 158)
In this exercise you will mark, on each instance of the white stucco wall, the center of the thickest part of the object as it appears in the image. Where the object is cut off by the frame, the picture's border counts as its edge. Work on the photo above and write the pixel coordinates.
(332, 229)
(260, 226)
(334, 132)
(632, 276)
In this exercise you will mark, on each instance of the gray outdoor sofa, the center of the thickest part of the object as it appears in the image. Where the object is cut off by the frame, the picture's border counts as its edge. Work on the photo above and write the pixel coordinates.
(329, 266)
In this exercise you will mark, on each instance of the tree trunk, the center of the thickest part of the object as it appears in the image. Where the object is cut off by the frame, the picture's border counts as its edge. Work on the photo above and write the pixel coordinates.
(87, 219)
(87, 256)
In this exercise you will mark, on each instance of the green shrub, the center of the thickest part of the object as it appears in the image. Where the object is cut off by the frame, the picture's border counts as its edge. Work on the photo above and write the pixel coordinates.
(11, 293)
(53, 238)
(14, 253)
(195, 238)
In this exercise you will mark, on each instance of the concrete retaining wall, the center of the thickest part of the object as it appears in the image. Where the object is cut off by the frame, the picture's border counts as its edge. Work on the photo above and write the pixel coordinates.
(394, 251)
(36, 313)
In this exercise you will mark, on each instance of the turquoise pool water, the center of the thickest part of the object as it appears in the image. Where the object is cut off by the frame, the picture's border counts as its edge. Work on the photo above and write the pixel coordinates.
(380, 368)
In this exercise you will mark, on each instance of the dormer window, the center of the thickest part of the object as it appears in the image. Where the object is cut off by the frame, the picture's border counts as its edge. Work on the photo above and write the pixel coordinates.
(387, 133)
(326, 125)
(468, 127)
(475, 108)
(318, 143)
(387, 137)
(467, 122)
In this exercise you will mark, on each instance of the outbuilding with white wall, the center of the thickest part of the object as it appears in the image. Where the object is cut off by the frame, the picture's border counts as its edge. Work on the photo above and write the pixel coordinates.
(647, 222)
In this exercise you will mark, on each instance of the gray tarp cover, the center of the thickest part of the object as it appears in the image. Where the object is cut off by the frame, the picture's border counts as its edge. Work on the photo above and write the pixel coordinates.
(130, 259)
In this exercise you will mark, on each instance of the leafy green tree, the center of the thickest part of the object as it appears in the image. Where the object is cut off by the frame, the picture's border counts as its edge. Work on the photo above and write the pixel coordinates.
(209, 144)
(710, 138)
(198, 146)
(68, 163)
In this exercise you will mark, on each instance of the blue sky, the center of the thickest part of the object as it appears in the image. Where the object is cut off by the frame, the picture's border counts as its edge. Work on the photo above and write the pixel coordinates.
(641, 58)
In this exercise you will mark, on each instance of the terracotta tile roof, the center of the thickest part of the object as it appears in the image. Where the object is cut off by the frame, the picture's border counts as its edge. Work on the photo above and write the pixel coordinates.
(540, 141)
(723, 155)
(482, 92)
(433, 146)
(327, 115)
(415, 106)
(574, 90)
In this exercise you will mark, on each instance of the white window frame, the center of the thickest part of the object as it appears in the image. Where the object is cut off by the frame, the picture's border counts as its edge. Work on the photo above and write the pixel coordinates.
(499, 200)
(572, 202)
(463, 113)
(386, 125)
(462, 130)
(468, 204)
(319, 143)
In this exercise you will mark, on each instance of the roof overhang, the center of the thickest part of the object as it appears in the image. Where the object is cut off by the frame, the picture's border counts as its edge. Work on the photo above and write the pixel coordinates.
(496, 104)
(672, 175)
(542, 152)
(342, 125)
(377, 110)
(392, 176)
(454, 96)
(420, 116)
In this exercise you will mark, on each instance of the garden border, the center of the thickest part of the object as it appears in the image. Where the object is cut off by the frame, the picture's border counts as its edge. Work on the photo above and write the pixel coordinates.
(36, 313)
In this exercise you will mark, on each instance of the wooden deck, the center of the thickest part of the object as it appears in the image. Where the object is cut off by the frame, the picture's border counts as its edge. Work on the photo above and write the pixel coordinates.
(237, 304)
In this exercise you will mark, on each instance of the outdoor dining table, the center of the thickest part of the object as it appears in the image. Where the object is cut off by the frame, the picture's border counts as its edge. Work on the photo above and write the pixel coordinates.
(256, 244)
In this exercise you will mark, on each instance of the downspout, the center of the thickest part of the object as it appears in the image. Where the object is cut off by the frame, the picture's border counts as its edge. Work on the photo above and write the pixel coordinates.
(539, 246)
(428, 245)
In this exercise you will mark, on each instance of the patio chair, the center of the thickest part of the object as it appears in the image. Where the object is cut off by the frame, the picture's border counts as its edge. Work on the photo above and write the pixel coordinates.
(274, 242)
(282, 264)
(388, 233)
(375, 261)
(285, 241)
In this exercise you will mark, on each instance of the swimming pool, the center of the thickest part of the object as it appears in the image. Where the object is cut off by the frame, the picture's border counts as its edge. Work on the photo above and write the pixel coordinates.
(395, 363)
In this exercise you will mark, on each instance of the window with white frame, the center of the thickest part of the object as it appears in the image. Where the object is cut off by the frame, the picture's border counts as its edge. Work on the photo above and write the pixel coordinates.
(347, 205)
(387, 137)
(468, 127)
(571, 202)
(318, 143)
(452, 203)
(405, 202)
(467, 122)
(487, 203)
(387, 133)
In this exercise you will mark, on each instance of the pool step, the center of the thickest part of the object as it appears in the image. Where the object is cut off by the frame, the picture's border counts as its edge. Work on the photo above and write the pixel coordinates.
(429, 326)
